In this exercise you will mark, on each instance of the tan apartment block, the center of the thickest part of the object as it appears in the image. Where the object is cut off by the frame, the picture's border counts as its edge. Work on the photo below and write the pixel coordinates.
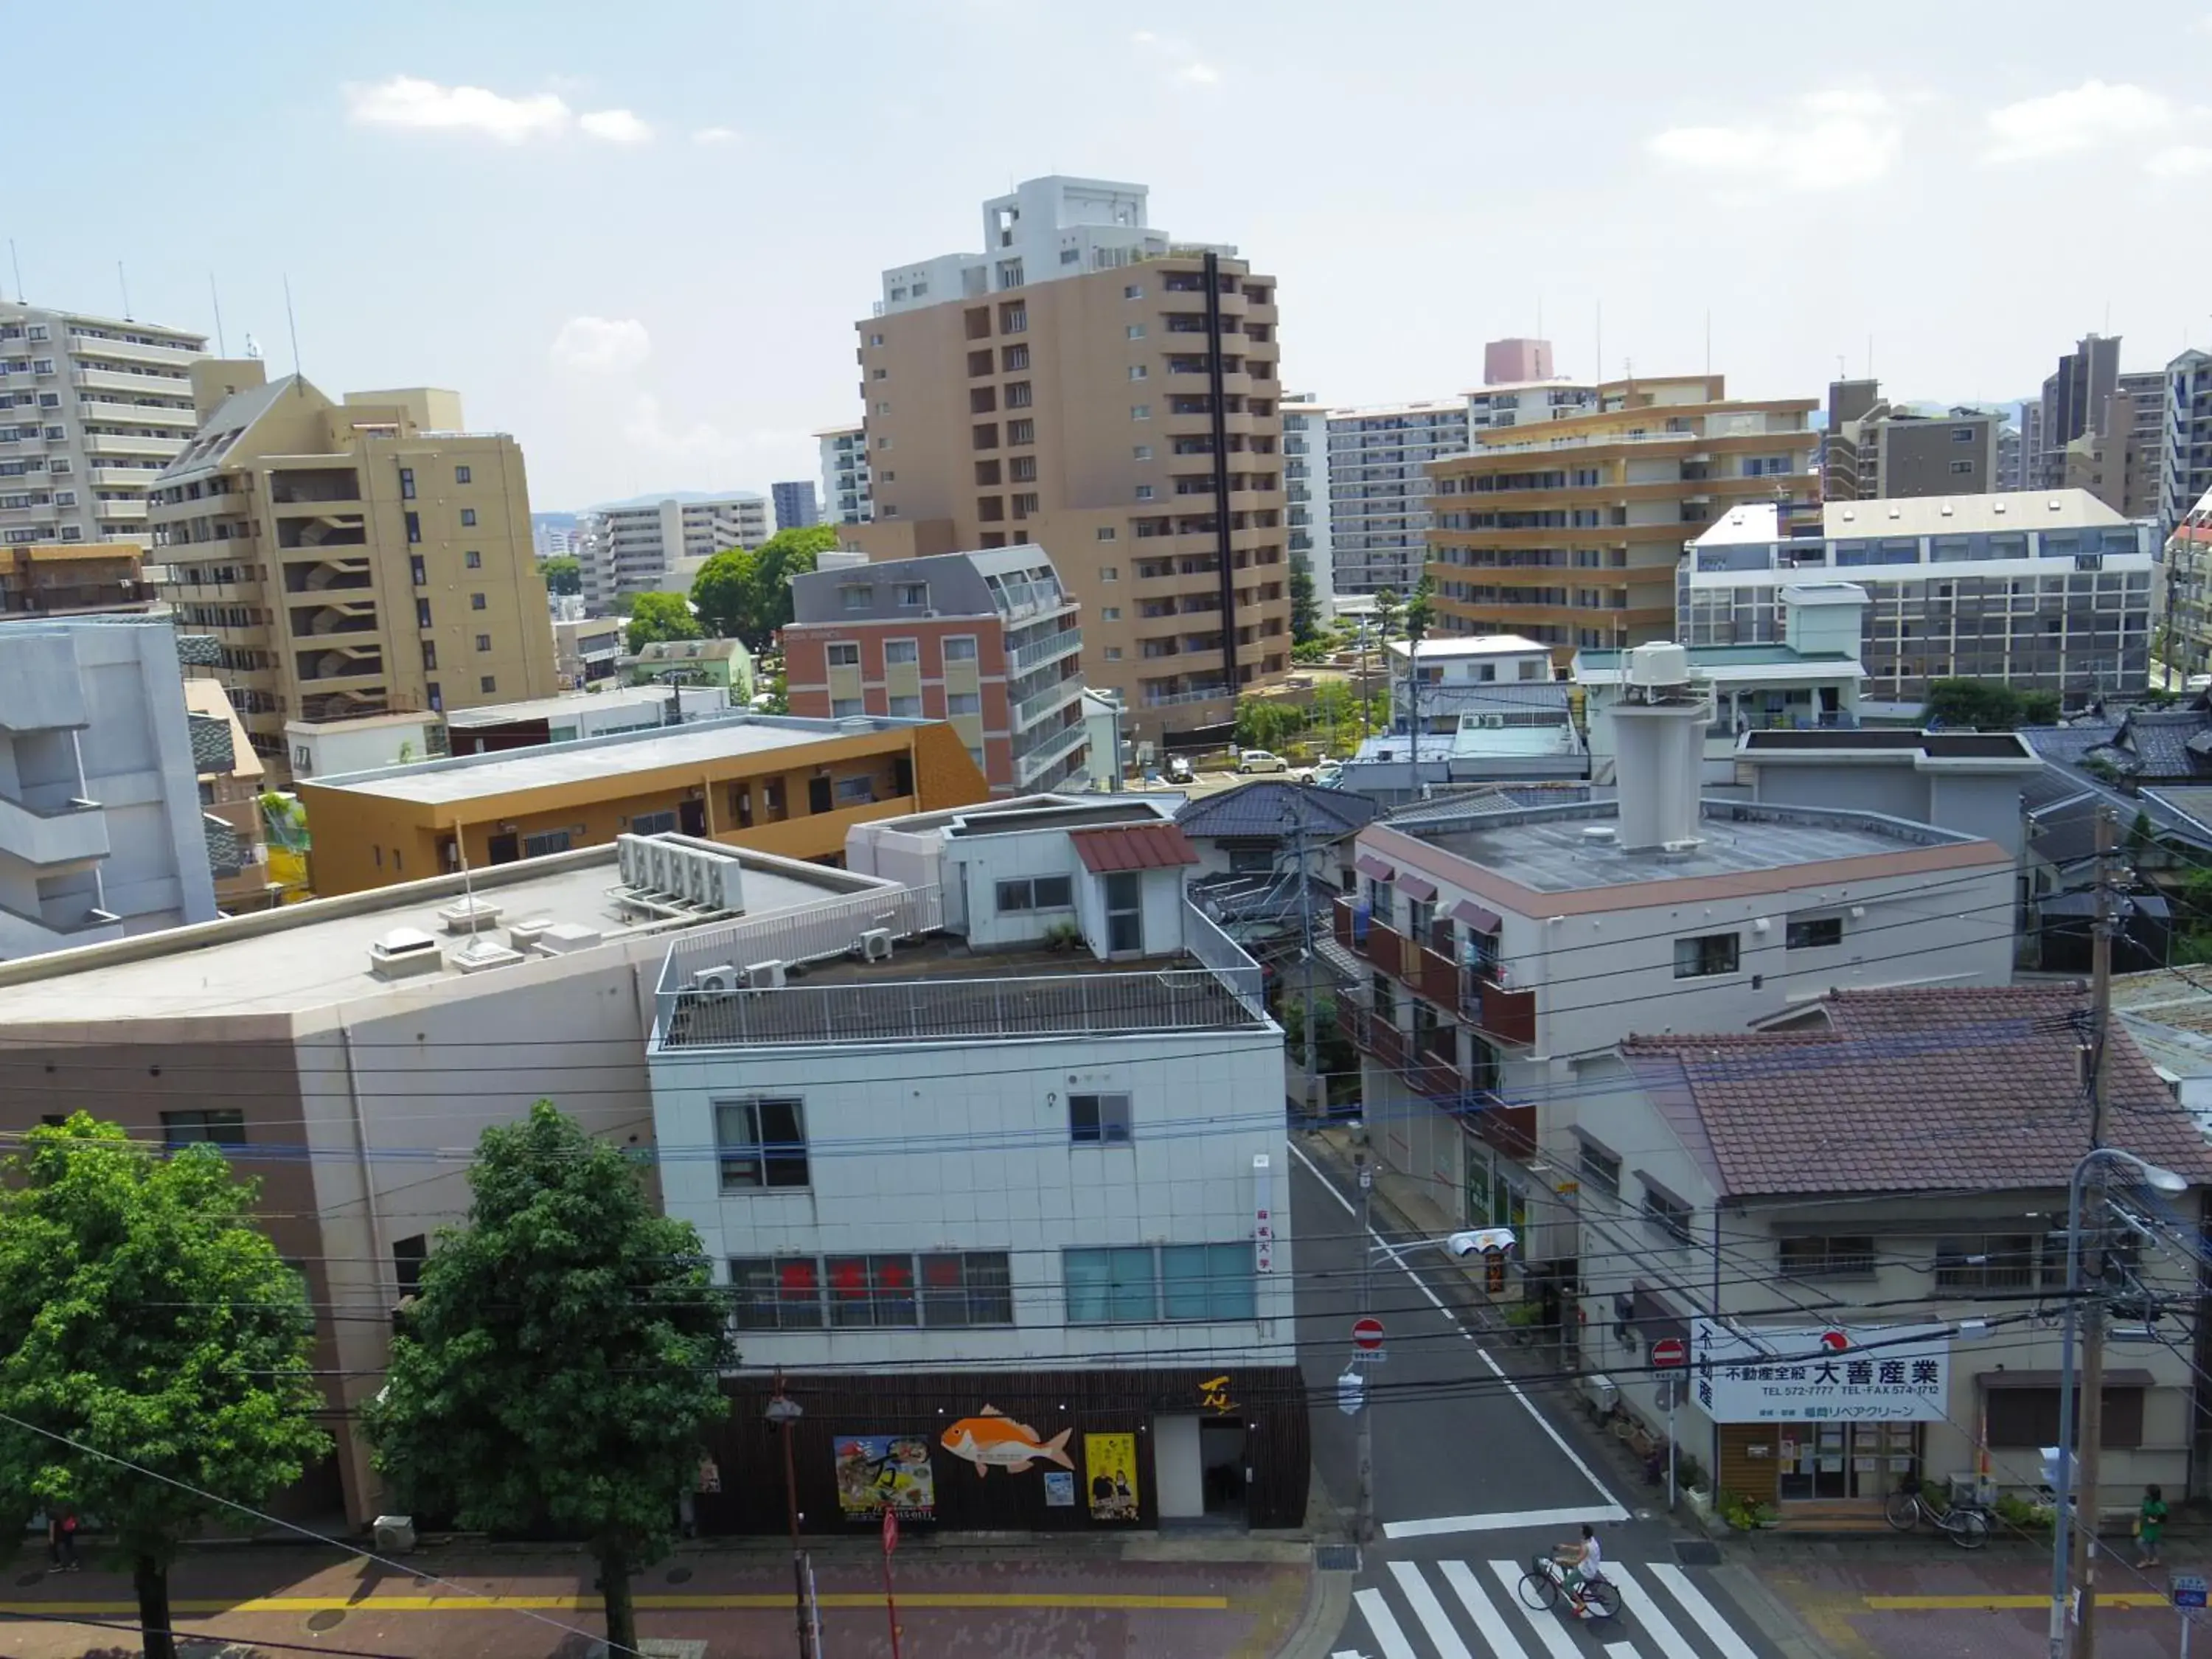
(1094, 388)
(1571, 536)
(353, 558)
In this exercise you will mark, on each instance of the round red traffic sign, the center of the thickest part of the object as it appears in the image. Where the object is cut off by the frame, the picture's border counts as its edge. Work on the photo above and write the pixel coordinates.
(1670, 1351)
(1367, 1334)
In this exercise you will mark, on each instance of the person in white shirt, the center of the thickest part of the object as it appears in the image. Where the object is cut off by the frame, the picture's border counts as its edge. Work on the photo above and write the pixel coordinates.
(1581, 1560)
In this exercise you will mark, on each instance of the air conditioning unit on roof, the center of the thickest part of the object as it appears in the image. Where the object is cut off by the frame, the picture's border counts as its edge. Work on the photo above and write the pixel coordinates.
(723, 977)
(765, 976)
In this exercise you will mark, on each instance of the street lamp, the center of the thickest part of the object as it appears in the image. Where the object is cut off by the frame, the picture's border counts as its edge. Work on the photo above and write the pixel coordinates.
(2160, 1181)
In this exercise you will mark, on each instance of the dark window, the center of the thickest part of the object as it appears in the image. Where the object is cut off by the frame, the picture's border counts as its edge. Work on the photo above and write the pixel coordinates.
(762, 1144)
(407, 493)
(421, 613)
(1036, 893)
(468, 518)
(476, 601)
(407, 1257)
(653, 823)
(817, 794)
(190, 1129)
(2029, 1417)
(488, 684)
(1665, 1211)
(414, 570)
(414, 527)
(1846, 1255)
(544, 842)
(973, 1287)
(473, 559)
(1814, 933)
(1994, 1262)
(1600, 1169)
(460, 475)
(1708, 953)
(1098, 1120)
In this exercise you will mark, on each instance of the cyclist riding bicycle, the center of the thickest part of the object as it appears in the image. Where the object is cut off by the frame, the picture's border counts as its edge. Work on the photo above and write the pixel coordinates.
(1582, 1562)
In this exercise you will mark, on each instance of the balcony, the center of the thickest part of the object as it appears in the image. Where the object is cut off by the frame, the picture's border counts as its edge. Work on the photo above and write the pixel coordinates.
(1030, 762)
(316, 621)
(187, 420)
(129, 351)
(1186, 699)
(131, 512)
(1031, 709)
(1503, 1016)
(123, 478)
(1028, 656)
(111, 443)
(318, 486)
(67, 837)
(138, 385)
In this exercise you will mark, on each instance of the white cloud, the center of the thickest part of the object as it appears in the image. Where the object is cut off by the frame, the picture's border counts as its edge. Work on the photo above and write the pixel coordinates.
(2179, 162)
(1829, 140)
(602, 345)
(695, 445)
(1203, 75)
(2080, 118)
(1180, 57)
(406, 101)
(715, 135)
(617, 126)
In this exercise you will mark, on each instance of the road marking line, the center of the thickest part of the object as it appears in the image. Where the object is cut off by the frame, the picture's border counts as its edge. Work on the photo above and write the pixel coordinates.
(1388, 1636)
(203, 1607)
(1500, 1523)
(1654, 1623)
(1621, 1650)
(1430, 1611)
(1488, 1623)
(1545, 1621)
(2000, 1603)
(1706, 1616)
(1497, 1370)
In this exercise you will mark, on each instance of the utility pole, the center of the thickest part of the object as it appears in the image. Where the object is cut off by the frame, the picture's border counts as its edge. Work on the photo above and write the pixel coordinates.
(1315, 1109)
(785, 1412)
(2090, 1408)
(1364, 1532)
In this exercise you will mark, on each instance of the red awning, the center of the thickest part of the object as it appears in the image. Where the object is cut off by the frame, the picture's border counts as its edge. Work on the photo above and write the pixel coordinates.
(1413, 887)
(1482, 921)
(1368, 864)
(1134, 847)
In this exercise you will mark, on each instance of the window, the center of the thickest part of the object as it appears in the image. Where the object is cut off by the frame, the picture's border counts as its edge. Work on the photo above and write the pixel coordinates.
(1097, 1120)
(1110, 613)
(870, 1289)
(2029, 1417)
(856, 792)
(971, 1287)
(1814, 933)
(1141, 411)
(1133, 291)
(898, 651)
(476, 601)
(437, 698)
(857, 596)
(906, 708)
(762, 1143)
(1136, 330)
(488, 684)
(483, 641)
(1144, 492)
(1138, 372)
(1992, 1262)
(844, 653)
(776, 1293)
(220, 1128)
(963, 703)
(473, 559)
(544, 842)
(421, 613)
(408, 1256)
(1036, 893)
(1142, 452)
(960, 648)
(461, 475)
(1111, 1287)
(1841, 1255)
(1021, 432)
(653, 823)
(1599, 1168)
(430, 654)
(1207, 1282)
(468, 518)
(1962, 466)
(1109, 572)
(1962, 435)
(407, 484)
(1665, 1211)
(414, 527)
(1706, 954)
(846, 709)
(913, 596)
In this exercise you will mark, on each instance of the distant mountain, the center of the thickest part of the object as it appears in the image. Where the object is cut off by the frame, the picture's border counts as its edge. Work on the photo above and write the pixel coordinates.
(553, 521)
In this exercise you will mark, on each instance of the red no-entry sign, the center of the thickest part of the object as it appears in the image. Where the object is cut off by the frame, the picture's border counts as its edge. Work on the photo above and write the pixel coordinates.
(1670, 1351)
(1367, 1335)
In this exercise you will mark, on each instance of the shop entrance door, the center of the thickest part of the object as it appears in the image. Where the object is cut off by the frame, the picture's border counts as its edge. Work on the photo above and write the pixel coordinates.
(1843, 1461)
(1178, 1467)
(1221, 1450)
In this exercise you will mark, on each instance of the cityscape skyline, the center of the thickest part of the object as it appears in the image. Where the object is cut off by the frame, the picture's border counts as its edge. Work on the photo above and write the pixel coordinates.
(641, 376)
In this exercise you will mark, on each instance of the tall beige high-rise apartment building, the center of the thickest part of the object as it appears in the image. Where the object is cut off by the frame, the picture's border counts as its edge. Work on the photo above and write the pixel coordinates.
(1095, 387)
(362, 557)
(1572, 533)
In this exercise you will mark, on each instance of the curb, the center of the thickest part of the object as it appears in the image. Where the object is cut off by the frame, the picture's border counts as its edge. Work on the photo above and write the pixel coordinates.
(1790, 1635)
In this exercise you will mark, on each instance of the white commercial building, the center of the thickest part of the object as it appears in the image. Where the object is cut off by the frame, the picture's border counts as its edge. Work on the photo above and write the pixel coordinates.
(845, 494)
(101, 829)
(1529, 403)
(91, 410)
(659, 546)
(997, 1167)
(1378, 490)
(2041, 590)
(1305, 494)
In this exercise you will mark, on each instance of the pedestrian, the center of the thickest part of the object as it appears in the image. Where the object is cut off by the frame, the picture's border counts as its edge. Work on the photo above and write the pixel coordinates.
(61, 1541)
(2150, 1523)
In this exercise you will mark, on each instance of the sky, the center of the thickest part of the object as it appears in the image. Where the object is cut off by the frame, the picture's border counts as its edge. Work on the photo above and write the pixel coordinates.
(638, 237)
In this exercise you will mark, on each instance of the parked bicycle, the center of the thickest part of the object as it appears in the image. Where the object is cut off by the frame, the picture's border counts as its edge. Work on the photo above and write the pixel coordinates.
(1545, 1582)
(1966, 1522)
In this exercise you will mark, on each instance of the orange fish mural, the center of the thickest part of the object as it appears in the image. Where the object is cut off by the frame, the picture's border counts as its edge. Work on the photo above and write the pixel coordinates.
(993, 1440)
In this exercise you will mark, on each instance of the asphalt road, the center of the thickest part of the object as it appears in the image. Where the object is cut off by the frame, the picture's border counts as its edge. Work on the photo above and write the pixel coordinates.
(1474, 1475)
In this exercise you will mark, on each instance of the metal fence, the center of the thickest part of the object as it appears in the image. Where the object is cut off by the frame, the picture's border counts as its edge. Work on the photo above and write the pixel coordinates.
(1203, 937)
(820, 930)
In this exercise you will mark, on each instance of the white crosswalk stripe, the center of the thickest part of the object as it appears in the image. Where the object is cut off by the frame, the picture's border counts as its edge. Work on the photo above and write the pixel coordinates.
(1659, 1603)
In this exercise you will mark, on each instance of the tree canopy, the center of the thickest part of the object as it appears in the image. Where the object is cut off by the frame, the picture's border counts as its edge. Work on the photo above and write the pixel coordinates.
(1987, 706)
(1305, 603)
(561, 1362)
(657, 617)
(562, 573)
(746, 595)
(154, 1343)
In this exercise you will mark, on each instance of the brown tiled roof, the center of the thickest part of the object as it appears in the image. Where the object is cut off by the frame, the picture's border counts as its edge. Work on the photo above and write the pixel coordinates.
(1133, 847)
(1912, 1091)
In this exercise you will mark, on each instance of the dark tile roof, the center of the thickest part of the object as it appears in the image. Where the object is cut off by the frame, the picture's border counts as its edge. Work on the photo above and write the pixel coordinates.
(1273, 809)
(1912, 1091)
(1134, 847)
(1949, 745)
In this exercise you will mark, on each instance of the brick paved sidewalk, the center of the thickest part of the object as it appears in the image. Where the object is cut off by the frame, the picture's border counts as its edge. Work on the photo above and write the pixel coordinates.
(1019, 1597)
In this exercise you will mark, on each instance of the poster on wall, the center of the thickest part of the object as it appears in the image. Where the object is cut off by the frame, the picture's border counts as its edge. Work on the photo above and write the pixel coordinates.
(876, 1471)
(1110, 1465)
(1059, 1489)
(1840, 1373)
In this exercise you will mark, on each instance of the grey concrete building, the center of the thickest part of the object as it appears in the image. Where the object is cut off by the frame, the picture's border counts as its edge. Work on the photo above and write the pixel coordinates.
(795, 506)
(1378, 490)
(2073, 403)
(1875, 449)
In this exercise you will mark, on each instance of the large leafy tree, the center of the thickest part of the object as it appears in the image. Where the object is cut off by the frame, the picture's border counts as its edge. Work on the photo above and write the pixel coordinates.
(722, 594)
(153, 1348)
(1987, 706)
(1305, 602)
(560, 1365)
(656, 616)
(562, 573)
(747, 595)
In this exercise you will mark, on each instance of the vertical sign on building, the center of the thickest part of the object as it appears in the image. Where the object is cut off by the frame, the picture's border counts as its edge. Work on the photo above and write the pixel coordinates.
(1263, 1214)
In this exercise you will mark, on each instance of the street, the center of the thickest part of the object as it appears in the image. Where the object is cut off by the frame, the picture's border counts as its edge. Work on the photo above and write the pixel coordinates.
(1473, 1476)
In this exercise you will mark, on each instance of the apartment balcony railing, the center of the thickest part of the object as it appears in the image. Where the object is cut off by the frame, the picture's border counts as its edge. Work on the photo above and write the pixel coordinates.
(1183, 699)
(1035, 707)
(1503, 1015)
(1044, 650)
(1031, 759)
(65, 837)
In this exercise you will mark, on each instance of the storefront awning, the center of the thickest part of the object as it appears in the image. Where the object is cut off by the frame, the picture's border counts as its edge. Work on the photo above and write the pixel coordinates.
(2120, 1378)
(1482, 921)
(1414, 887)
(1368, 864)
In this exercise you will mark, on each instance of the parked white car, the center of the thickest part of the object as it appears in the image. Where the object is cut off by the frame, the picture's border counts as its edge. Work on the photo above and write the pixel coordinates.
(1260, 760)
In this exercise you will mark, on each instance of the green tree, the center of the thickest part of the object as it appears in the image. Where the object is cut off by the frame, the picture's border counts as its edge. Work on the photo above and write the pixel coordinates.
(156, 1349)
(561, 1364)
(787, 554)
(655, 617)
(1335, 710)
(1975, 705)
(562, 575)
(722, 594)
(1267, 723)
(1305, 602)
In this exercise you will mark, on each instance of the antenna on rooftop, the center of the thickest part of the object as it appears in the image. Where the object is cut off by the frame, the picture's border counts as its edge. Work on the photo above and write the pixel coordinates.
(17, 265)
(291, 322)
(220, 349)
(124, 282)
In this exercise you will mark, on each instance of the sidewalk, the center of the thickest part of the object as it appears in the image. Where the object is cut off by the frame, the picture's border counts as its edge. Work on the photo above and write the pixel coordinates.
(1204, 1599)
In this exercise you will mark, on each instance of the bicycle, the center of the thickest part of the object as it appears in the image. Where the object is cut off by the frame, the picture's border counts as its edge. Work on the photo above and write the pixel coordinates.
(1965, 1524)
(1545, 1582)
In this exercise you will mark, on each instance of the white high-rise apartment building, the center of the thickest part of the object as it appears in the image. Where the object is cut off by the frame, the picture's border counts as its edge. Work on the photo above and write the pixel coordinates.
(2186, 456)
(1378, 490)
(1305, 493)
(845, 494)
(660, 546)
(1524, 403)
(91, 410)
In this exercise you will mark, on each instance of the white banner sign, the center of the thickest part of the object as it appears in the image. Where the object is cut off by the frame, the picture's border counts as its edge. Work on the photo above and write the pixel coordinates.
(1844, 1373)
